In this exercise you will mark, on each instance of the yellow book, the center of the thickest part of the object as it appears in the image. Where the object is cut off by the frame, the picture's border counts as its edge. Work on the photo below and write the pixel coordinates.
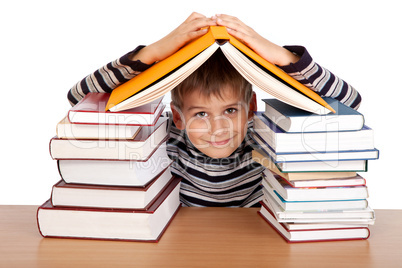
(298, 176)
(162, 77)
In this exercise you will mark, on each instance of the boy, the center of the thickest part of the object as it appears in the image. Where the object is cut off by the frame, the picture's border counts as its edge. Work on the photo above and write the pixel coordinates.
(213, 108)
(209, 140)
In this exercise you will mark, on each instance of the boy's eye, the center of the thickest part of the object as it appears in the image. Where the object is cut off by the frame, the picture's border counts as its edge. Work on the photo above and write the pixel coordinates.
(231, 110)
(201, 114)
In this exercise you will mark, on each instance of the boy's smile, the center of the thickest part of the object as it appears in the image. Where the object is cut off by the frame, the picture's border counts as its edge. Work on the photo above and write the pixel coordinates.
(215, 125)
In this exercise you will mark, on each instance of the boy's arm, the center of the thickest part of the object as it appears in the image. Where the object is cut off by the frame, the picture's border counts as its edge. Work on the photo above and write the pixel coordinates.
(108, 77)
(294, 60)
(319, 79)
(125, 68)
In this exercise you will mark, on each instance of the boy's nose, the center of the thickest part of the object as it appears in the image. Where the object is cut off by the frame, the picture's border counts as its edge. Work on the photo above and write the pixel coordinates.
(219, 125)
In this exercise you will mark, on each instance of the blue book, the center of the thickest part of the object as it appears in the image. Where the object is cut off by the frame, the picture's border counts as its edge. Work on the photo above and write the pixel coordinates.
(331, 141)
(281, 157)
(292, 119)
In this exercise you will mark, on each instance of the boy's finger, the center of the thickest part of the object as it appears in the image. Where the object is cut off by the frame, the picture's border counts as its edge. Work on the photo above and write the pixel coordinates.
(230, 19)
(200, 23)
(231, 23)
(193, 16)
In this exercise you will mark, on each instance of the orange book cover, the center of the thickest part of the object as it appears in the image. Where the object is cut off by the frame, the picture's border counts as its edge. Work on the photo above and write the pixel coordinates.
(278, 72)
(162, 68)
(216, 33)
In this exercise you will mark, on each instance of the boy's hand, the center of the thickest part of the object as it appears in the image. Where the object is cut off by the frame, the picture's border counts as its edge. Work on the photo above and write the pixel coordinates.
(193, 27)
(266, 49)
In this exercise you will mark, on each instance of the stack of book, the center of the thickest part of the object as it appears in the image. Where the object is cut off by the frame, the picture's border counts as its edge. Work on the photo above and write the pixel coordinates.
(115, 174)
(312, 187)
(105, 157)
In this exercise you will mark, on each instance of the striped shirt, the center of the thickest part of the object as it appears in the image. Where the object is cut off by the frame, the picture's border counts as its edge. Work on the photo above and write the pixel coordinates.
(233, 181)
(226, 182)
(319, 79)
(108, 77)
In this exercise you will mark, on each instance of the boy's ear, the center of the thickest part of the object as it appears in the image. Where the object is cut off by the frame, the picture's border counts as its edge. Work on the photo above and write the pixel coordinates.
(252, 106)
(178, 118)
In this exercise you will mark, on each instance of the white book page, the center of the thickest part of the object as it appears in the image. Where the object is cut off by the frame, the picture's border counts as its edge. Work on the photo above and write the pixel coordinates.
(168, 83)
(259, 78)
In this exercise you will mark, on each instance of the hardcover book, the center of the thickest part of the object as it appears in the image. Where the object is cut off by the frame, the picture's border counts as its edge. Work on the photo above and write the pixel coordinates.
(102, 196)
(292, 119)
(283, 142)
(111, 224)
(315, 232)
(310, 156)
(289, 193)
(139, 148)
(111, 172)
(359, 216)
(162, 77)
(91, 110)
(67, 130)
(312, 206)
(261, 158)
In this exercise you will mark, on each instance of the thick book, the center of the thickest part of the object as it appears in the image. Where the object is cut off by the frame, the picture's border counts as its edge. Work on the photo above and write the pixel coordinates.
(311, 226)
(315, 165)
(333, 182)
(325, 205)
(91, 110)
(261, 158)
(314, 232)
(67, 130)
(111, 224)
(282, 157)
(101, 196)
(167, 74)
(359, 216)
(292, 119)
(324, 166)
(289, 193)
(335, 141)
(145, 142)
(111, 172)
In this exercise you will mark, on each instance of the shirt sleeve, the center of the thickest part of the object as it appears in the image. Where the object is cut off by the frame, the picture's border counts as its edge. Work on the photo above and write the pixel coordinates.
(305, 71)
(108, 77)
(319, 79)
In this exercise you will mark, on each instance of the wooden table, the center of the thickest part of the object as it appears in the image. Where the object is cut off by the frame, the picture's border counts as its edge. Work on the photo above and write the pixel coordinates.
(198, 237)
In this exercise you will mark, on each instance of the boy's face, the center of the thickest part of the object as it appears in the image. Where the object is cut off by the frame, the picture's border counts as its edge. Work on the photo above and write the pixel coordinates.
(216, 126)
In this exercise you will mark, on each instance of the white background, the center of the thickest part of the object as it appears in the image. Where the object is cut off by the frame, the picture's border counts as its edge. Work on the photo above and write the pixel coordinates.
(47, 46)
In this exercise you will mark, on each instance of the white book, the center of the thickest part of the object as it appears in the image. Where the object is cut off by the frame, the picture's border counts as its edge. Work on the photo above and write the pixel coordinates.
(66, 130)
(139, 148)
(316, 231)
(366, 216)
(101, 196)
(313, 205)
(290, 193)
(332, 141)
(110, 172)
(115, 224)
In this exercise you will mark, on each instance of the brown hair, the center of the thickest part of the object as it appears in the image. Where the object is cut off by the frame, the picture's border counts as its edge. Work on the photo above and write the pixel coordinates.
(216, 73)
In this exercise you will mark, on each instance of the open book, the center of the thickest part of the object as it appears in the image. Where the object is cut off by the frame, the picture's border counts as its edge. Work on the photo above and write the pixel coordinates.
(164, 76)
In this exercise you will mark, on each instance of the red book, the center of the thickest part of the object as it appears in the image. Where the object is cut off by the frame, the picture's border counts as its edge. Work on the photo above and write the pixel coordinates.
(117, 173)
(148, 139)
(314, 232)
(103, 196)
(91, 110)
(111, 224)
